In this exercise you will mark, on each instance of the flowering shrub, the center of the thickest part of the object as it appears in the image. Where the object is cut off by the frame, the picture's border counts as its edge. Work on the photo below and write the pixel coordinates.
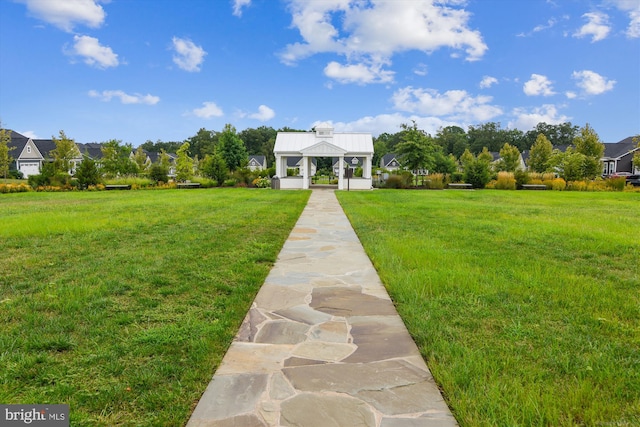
(262, 182)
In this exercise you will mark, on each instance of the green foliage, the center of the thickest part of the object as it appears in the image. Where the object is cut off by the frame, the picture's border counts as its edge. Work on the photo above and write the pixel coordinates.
(202, 143)
(522, 177)
(570, 164)
(87, 173)
(142, 161)
(159, 146)
(231, 148)
(540, 155)
(5, 158)
(184, 163)
(559, 135)
(477, 171)
(588, 143)
(509, 158)
(444, 164)
(116, 159)
(417, 149)
(158, 173)
(66, 150)
(47, 171)
(215, 167)
(452, 139)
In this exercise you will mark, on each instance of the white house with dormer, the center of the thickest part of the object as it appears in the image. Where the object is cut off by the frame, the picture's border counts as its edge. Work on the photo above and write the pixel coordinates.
(324, 142)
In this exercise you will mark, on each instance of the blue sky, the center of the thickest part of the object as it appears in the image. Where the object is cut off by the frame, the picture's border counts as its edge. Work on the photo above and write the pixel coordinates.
(138, 70)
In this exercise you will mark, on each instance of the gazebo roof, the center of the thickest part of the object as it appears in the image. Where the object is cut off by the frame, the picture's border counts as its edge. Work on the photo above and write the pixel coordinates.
(323, 142)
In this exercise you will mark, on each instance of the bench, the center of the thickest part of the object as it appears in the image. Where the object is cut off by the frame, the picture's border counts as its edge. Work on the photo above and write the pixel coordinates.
(188, 185)
(534, 187)
(117, 187)
(460, 186)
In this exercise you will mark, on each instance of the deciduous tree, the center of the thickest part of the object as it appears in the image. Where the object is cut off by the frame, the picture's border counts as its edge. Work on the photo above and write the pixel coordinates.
(184, 163)
(66, 150)
(5, 157)
(588, 144)
(116, 159)
(540, 154)
(417, 149)
(231, 148)
(509, 158)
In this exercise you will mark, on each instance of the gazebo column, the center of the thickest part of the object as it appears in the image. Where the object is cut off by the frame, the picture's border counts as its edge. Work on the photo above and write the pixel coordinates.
(305, 172)
(279, 166)
(366, 172)
(341, 172)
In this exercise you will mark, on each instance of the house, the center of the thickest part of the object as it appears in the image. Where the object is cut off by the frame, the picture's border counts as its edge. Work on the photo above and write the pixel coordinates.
(154, 157)
(496, 158)
(296, 163)
(618, 157)
(323, 141)
(390, 162)
(257, 163)
(352, 163)
(30, 154)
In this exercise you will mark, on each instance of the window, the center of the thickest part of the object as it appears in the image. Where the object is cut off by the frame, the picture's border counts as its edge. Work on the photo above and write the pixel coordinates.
(28, 149)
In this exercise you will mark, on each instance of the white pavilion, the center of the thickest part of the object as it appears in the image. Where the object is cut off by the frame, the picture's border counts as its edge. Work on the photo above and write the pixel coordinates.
(349, 148)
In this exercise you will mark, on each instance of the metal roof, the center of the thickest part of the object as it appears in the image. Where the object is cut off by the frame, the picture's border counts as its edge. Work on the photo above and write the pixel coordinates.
(297, 142)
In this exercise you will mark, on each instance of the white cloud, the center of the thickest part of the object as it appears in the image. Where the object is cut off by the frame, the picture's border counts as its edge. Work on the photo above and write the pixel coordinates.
(421, 70)
(238, 5)
(30, 134)
(358, 73)
(592, 83)
(528, 119)
(264, 114)
(65, 14)
(371, 32)
(538, 85)
(597, 26)
(488, 81)
(188, 55)
(571, 94)
(389, 123)
(453, 104)
(93, 53)
(632, 7)
(125, 98)
(208, 110)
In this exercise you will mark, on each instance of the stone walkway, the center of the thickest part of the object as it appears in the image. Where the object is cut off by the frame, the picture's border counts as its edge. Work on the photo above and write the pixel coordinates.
(322, 344)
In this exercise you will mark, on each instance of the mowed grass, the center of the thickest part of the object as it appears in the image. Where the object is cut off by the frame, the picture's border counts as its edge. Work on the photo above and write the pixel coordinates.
(526, 305)
(122, 304)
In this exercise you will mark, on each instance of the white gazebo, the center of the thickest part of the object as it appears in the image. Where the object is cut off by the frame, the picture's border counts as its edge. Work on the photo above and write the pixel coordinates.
(349, 148)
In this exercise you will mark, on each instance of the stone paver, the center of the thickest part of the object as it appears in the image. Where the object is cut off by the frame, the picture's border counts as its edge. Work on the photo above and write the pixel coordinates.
(322, 344)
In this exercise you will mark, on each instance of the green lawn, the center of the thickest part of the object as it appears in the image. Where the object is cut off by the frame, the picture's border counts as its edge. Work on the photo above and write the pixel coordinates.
(526, 305)
(122, 304)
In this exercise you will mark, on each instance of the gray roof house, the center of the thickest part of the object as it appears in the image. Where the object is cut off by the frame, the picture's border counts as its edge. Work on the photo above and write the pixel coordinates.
(618, 157)
(30, 154)
(390, 162)
(257, 162)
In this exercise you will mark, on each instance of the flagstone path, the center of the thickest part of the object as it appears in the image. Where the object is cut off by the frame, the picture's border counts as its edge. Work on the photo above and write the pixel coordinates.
(322, 344)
